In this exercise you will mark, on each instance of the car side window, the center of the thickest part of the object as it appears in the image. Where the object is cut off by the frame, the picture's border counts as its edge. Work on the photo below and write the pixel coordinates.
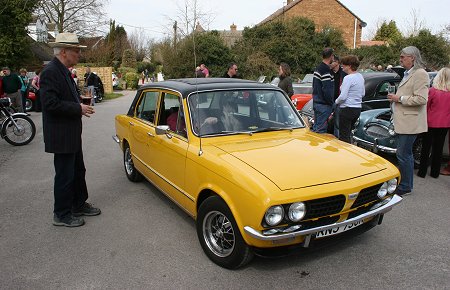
(382, 90)
(147, 106)
(172, 113)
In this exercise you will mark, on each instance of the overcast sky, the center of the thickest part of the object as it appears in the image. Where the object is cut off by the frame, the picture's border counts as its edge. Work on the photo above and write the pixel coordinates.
(155, 16)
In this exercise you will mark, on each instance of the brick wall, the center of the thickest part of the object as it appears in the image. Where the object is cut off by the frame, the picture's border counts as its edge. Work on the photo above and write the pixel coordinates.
(105, 74)
(328, 12)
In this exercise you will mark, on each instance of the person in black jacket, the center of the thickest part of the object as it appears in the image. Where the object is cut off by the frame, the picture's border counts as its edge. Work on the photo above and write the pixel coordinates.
(284, 72)
(61, 116)
(323, 92)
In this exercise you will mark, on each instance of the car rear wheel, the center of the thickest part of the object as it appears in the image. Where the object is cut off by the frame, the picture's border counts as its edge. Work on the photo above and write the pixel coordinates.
(130, 170)
(219, 235)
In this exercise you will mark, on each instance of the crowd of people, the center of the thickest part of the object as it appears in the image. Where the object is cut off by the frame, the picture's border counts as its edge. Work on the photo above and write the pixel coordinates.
(338, 89)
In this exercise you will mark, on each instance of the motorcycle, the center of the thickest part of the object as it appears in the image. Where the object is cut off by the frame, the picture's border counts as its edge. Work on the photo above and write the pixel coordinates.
(16, 128)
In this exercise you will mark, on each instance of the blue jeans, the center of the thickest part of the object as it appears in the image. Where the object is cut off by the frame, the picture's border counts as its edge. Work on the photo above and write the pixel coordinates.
(321, 114)
(405, 160)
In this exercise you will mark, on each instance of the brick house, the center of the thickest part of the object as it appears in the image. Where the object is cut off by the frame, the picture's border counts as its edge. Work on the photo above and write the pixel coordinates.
(323, 13)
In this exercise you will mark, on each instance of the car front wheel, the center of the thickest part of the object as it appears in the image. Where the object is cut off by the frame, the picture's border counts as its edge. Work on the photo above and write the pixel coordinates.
(219, 235)
(130, 170)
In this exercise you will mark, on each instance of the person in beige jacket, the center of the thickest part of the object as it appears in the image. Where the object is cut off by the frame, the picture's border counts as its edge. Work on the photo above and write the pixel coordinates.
(409, 107)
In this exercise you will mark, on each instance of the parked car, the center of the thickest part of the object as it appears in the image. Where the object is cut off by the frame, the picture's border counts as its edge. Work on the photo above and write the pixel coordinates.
(374, 131)
(307, 79)
(302, 94)
(230, 167)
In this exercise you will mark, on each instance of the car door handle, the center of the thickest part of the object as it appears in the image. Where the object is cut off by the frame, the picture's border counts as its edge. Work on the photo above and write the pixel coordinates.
(150, 134)
(131, 123)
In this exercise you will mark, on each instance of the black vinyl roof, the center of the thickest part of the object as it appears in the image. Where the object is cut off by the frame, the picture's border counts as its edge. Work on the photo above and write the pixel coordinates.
(189, 85)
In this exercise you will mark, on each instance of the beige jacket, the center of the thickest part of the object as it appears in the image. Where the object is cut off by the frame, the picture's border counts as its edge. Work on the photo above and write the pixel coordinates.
(410, 116)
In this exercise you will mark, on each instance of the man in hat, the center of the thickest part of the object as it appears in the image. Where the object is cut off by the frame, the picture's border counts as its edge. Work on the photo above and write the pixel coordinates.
(12, 86)
(61, 115)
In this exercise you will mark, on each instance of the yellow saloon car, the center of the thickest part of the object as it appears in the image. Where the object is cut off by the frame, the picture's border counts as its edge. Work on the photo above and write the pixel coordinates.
(238, 158)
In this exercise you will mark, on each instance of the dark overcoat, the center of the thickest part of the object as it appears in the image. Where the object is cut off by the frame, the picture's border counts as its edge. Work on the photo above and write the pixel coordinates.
(61, 110)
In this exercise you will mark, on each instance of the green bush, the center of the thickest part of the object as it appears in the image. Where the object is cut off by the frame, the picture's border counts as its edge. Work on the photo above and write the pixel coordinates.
(131, 79)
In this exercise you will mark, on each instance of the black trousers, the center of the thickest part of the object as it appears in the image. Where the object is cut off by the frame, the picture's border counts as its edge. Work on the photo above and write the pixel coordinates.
(70, 188)
(38, 104)
(433, 141)
(347, 118)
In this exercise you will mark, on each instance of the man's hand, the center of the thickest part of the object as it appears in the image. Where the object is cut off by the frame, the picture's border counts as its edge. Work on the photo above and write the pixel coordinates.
(393, 98)
(87, 110)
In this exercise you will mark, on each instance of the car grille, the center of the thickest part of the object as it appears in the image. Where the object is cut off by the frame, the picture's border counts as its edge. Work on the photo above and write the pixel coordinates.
(376, 131)
(367, 195)
(324, 206)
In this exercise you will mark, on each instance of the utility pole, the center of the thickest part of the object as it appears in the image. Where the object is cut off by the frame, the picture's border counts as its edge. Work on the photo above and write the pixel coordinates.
(175, 35)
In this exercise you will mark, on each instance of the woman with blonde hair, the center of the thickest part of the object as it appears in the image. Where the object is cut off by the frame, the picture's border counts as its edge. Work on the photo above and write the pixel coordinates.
(438, 117)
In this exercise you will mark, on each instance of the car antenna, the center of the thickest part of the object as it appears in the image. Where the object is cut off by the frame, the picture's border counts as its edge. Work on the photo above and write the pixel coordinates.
(200, 151)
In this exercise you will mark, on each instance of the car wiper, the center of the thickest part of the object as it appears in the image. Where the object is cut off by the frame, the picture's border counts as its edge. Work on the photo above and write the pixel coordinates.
(270, 129)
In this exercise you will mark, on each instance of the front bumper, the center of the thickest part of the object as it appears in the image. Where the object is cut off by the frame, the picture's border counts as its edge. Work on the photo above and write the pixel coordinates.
(373, 146)
(377, 209)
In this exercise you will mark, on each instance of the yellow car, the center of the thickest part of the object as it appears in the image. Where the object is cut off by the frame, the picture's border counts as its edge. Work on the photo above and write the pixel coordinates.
(238, 158)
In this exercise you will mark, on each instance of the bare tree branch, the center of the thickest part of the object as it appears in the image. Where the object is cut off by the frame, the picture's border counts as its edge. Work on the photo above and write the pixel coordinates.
(84, 17)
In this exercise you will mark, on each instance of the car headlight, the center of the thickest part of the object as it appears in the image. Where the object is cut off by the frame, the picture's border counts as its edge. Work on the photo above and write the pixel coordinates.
(297, 211)
(392, 185)
(274, 215)
(383, 190)
(356, 123)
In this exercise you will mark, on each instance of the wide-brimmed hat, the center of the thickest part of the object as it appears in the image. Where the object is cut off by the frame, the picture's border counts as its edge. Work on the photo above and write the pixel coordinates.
(66, 39)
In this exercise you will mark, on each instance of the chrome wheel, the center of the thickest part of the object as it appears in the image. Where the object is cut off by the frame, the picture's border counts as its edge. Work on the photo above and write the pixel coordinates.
(218, 234)
(20, 132)
(129, 166)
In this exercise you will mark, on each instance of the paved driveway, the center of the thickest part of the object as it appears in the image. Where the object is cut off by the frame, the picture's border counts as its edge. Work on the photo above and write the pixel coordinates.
(143, 241)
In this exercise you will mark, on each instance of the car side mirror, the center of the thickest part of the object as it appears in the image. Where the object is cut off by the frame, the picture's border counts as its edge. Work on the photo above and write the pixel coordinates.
(163, 130)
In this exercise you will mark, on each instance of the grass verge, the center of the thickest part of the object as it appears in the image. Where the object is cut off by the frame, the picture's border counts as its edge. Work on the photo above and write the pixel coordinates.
(110, 96)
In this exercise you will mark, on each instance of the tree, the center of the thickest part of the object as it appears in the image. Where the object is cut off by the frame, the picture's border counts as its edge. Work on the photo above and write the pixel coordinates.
(15, 15)
(129, 58)
(189, 15)
(207, 48)
(293, 41)
(388, 32)
(83, 17)
(140, 43)
(435, 49)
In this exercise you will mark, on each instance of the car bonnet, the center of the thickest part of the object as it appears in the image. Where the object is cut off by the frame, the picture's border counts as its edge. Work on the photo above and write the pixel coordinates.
(303, 161)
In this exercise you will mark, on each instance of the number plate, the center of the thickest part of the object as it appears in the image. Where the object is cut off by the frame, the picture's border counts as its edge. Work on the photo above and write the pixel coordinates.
(338, 230)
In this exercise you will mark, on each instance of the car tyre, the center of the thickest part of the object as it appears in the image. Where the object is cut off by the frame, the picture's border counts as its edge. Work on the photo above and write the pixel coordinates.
(130, 170)
(219, 235)
(417, 150)
(29, 105)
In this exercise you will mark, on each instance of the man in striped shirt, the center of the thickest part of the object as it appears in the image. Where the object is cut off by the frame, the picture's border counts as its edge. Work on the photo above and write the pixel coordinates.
(323, 92)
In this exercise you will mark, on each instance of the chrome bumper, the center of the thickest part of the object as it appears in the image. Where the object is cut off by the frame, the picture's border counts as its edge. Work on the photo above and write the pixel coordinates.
(379, 208)
(115, 138)
(374, 147)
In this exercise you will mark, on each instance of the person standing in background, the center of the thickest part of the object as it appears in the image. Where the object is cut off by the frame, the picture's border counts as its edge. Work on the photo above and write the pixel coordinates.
(338, 77)
(232, 71)
(350, 98)
(35, 84)
(12, 85)
(284, 73)
(24, 89)
(438, 117)
(323, 91)
(205, 70)
(409, 110)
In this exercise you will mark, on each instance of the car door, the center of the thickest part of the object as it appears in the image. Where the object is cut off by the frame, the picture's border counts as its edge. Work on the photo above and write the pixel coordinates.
(379, 98)
(168, 151)
(142, 128)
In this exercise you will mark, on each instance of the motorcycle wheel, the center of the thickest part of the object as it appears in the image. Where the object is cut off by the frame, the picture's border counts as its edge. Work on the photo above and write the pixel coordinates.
(19, 135)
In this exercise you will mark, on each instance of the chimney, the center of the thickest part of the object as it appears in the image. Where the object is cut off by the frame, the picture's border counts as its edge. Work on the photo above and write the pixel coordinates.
(233, 27)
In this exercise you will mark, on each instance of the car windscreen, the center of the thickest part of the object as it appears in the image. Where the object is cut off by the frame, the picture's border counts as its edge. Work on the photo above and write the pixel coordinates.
(225, 112)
